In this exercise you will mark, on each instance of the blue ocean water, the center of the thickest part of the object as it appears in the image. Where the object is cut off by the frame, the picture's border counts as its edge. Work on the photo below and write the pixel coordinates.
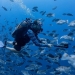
(17, 11)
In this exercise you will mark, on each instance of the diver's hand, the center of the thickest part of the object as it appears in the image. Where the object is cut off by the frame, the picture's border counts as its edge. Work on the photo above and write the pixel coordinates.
(44, 42)
(50, 45)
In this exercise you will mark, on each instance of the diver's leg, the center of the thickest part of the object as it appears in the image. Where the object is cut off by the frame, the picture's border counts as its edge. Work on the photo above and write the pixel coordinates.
(11, 42)
(16, 48)
(9, 48)
(12, 49)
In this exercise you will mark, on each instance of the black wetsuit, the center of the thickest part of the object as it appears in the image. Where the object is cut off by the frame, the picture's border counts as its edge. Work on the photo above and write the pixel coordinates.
(25, 39)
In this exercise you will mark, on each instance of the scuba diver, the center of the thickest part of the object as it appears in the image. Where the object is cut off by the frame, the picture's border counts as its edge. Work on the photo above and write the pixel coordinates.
(28, 31)
(24, 32)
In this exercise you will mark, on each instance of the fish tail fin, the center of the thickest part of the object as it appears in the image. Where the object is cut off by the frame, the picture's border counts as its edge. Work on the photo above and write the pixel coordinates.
(61, 37)
(66, 21)
(57, 41)
(53, 15)
(65, 56)
(73, 39)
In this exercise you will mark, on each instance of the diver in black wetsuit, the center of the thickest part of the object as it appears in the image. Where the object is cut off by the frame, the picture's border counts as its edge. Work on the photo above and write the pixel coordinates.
(25, 32)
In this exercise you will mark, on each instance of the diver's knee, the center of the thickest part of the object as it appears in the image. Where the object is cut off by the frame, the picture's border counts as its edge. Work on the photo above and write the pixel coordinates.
(14, 43)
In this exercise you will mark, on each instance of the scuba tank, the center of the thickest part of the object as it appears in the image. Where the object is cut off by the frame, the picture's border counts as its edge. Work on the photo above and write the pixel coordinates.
(21, 28)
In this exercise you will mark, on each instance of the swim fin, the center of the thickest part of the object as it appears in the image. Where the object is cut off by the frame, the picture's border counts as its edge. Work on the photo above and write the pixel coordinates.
(1, 44)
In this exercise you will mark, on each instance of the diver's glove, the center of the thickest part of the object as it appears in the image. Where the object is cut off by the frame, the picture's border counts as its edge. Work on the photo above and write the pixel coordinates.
(50, 45)
(44, 42)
